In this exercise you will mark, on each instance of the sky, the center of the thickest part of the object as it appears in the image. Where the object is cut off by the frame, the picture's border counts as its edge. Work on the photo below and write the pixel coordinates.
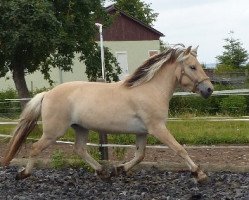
(202, 22)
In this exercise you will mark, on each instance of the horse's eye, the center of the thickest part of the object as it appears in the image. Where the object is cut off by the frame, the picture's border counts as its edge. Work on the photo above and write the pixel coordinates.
(192, 67)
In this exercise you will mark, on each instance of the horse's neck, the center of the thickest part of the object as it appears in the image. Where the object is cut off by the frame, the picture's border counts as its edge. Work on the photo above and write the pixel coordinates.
(165, 81)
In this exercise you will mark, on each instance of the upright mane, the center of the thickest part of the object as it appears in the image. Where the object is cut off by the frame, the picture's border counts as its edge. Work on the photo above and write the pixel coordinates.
(150, 67)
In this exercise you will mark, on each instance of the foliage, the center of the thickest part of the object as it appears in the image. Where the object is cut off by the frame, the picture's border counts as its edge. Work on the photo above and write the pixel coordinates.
(163, 46)
(94, 70)
(196, 106)
(233, 105)
(234, 55)
(222, 68)
(8, 94)
(40, 35)
(137, 9)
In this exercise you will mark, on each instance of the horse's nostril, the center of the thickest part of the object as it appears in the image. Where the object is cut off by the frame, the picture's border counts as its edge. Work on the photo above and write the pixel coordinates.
(209, 90)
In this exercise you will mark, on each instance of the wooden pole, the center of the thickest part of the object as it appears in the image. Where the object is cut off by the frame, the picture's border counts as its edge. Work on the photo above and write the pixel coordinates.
(103, 150)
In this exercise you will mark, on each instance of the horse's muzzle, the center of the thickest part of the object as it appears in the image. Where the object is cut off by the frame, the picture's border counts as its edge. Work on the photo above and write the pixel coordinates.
(205, 89)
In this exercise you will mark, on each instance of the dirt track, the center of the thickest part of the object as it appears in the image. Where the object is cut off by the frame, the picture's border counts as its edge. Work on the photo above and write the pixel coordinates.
(227, 158)
(145, 183)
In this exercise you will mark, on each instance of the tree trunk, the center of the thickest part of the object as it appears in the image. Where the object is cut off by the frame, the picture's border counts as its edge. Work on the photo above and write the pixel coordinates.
(21, 86)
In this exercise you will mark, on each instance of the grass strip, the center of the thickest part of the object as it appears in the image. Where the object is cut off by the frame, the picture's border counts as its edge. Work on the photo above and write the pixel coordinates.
(197, 132)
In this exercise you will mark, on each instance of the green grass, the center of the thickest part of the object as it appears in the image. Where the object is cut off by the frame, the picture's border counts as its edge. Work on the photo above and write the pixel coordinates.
(186, 132)
(210, 132)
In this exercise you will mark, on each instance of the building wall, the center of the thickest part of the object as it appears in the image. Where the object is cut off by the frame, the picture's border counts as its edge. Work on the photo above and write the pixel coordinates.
(137, 53)
(36, 80)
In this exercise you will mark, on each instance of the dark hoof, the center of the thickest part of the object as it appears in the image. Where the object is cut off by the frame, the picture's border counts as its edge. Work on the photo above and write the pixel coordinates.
(118, 171)
(21, 175)
(103, 175)
(200, 176)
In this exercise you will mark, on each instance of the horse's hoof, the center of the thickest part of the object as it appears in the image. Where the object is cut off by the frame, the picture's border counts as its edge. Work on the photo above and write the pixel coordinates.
(200, 176)
(103, 175)
(22, 175)
(119, 170)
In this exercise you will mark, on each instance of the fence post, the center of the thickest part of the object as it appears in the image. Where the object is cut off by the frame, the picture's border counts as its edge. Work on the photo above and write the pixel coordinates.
(103, 150)
(103, 139)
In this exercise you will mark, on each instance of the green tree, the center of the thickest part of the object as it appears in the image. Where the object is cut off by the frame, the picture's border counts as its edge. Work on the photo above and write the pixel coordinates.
(138, 9)
(234, 56)
(111, 73)
(163, 46)
(39, 35)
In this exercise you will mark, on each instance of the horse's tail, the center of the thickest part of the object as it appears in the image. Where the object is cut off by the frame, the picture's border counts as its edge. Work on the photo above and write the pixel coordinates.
(28, 120)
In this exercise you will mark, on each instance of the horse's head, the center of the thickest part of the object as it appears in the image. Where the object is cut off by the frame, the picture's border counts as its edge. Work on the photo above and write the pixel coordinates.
(190, 74)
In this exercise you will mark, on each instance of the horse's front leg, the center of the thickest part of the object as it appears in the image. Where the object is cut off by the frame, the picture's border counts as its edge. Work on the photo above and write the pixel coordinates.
(163, 134)
(139, 156)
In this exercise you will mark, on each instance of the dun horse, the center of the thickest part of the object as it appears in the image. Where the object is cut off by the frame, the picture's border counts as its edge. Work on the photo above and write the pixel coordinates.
(137, 105)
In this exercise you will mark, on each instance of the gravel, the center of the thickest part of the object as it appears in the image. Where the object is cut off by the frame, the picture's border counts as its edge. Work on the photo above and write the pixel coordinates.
(144, 184)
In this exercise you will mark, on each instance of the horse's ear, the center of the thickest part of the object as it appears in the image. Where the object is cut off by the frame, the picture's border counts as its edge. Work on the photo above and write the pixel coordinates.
(195, 49)
(188, 50)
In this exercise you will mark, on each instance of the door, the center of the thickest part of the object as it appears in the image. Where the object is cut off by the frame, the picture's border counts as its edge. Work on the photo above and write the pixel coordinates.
(123, 63)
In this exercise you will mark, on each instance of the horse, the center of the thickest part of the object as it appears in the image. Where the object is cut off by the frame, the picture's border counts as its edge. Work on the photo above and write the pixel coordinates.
(139, 105)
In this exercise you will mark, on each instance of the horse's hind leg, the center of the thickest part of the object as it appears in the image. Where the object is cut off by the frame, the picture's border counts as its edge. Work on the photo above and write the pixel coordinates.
(49, 137)
(37, 147)
(139, 155)
(81, 150)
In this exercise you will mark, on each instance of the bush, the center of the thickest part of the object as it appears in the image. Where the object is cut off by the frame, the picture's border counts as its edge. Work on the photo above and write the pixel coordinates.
(197, 106)
(8, 94)
(193, 105)
(233, 105)
(9, 109)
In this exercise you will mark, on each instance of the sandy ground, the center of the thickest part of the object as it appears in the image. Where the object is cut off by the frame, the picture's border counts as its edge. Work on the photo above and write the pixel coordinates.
(228, 158)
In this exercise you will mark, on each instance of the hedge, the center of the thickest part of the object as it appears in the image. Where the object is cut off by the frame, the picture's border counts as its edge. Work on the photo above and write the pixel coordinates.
(232, 105)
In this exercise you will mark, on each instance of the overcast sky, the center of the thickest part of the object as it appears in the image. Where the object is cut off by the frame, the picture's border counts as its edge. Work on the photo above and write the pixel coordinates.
(202, 22)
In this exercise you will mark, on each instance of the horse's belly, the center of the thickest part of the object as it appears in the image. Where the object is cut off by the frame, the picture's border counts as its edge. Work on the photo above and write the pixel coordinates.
(135, 126)
(117, 126)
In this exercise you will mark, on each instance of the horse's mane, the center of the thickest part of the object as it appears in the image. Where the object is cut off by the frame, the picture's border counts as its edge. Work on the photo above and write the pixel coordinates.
(150, 67)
